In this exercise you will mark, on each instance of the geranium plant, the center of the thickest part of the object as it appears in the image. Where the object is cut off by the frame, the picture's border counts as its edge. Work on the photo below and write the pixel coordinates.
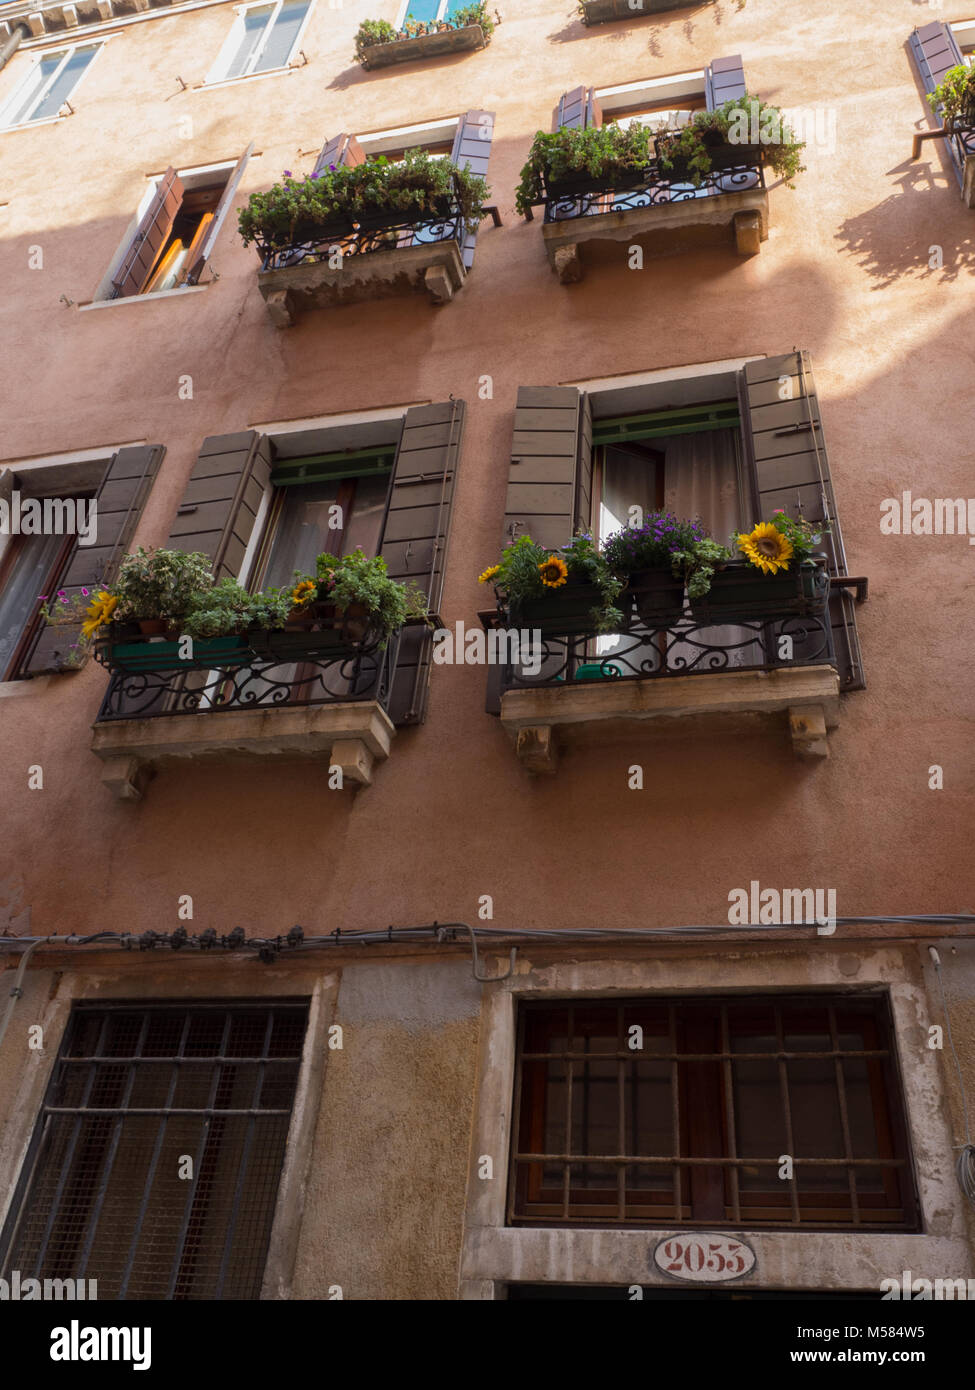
(609, 153)
(418, 186)
(772, 545)
(528, 571)
(956, 96)
(667, 541)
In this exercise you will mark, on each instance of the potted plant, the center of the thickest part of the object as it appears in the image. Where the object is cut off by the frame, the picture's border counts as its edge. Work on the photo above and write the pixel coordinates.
(153, 592)
(569, 590)
(572, 162)
(661, 557)
(349, 602)
(744, 131)
(956, 97)
(777, 568)
(374, 33)
(297, 211)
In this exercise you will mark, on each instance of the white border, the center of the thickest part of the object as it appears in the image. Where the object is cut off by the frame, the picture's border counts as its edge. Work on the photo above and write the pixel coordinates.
(218, 70)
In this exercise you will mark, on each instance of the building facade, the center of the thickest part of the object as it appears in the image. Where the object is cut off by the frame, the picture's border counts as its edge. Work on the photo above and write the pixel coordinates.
(667, 935)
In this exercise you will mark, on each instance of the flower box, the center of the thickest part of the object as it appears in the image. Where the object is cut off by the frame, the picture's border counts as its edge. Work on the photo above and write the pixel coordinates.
(442, 210)
(656, 594)
(743, 589)
(383, 55)
(152, 655)
(601, 11)
(562, 612)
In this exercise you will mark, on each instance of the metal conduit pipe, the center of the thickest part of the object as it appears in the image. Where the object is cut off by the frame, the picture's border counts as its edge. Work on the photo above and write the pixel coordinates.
(17, 35)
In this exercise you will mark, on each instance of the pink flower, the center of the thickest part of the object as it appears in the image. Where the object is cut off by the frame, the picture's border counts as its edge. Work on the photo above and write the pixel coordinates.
(62, 594)
(84, 593)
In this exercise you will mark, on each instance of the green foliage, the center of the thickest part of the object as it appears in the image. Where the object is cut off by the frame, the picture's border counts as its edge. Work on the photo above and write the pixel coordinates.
(374, 31)
(163, 584)
(417, 186)
(956, 96)
(609, 153)
(357, 579)
(698, 565)
(517, 577)
(228, 608)
(744, 121)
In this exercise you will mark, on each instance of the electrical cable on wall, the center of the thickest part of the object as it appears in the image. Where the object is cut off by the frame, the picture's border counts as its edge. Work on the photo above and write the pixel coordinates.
(965, 1168)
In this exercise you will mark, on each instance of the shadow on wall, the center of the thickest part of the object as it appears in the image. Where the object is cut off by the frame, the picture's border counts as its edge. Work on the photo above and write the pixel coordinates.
(889, 240)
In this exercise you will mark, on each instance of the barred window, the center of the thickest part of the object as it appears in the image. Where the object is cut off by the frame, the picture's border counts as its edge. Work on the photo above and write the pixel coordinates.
(685, 1111)
(155, 1161)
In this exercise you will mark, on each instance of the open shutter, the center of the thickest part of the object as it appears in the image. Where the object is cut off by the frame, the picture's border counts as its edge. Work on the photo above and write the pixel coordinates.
(205, 249)
(724, 80)
(120, 498)
(550, 477)
(578, 110)
(220, 504)
(472, 150)
(148, 241)
(935, 51)
(784, 438)
(415, 533)
(341, 149)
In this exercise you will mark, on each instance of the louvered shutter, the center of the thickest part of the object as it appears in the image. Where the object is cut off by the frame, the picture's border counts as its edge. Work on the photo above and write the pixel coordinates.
(149, 240)
(220, 504)
(472, 150)
(223, 207)
(784, 439)
(415, 534)
(577, 110)
(341, 149)
(550, 477)
(724, 80)
(120, 498)
(935, 52)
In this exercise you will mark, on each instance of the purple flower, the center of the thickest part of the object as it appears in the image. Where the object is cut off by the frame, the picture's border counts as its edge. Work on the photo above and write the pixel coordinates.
(332, 167)
(62, 594)
(84, 593)
(287, 174)
(42, 598)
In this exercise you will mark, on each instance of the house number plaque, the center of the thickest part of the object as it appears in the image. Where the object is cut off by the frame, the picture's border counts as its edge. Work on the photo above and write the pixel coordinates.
(704, 1257)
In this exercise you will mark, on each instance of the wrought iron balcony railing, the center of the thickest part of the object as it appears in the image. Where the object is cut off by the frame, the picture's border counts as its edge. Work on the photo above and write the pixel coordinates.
(265, 670)
(650, 187)
(791, 630)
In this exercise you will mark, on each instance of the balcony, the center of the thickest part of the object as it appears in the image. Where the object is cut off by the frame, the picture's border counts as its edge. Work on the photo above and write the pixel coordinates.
(601, 11)
(357, 261)
(313, 694)
(661, 212)
(708, 664)
(959, 138)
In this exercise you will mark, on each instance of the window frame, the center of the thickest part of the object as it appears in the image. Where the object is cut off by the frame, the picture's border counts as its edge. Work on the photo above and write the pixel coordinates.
(404, 10)
(690, 1209)
(13, 100)
(220, 71)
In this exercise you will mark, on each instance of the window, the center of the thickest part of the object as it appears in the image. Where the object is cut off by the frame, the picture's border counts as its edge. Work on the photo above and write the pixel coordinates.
(174, 231)
(30, 569)
(133, 1090)
(428, 11)
(48, 85)
(263, 38)
(689, 1126)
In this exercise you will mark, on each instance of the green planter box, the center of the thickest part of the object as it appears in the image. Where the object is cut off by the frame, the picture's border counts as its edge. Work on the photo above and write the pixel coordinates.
(742, 588)
(562, 612)
(151, 655)
(602, 11)
(384, 55)
(656, 594)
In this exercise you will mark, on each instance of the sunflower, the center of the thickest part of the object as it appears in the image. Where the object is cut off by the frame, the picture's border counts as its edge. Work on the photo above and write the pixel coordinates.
(488, 574)
(553, 571)
(99, 612)
(303, 592)
(767, 548)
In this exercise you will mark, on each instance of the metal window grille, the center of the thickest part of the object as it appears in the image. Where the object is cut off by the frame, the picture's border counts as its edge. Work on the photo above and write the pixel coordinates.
(155, 1160)
(683, 1111)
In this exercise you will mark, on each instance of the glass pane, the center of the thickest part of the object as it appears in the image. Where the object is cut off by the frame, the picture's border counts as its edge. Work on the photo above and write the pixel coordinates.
(255, 22)
(759, 1118)
(816, 1123)
(302, 532)
(364, 527)
(26, 583)
(859, 1109)
(648, 1112)
(281, 41)
(423, 11)
(36, 79)
(64, 84)
(595, 1107)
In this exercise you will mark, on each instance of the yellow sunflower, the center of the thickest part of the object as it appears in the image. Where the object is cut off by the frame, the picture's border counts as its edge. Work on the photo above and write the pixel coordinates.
(99, 612)
(488, 574)
(767, 548)
(304, 592)
(553, 571)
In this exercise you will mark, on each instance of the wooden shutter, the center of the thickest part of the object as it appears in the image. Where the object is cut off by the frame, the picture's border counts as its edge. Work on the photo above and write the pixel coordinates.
(724, 80)
(120, 498)
(935, 51)
(578, 110)
(219, 507)
(472, 150)
(341, 149)
(149, 240)
(784, 440)
(205, 249)
(550, 477)
(415, 534)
